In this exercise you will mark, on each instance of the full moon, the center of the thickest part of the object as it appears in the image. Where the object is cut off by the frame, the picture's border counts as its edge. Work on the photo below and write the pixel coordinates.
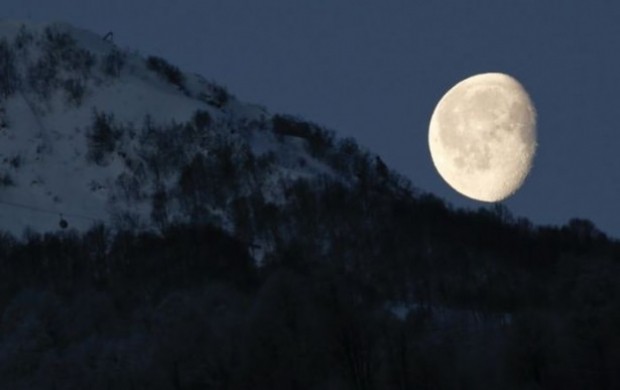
(482, 136)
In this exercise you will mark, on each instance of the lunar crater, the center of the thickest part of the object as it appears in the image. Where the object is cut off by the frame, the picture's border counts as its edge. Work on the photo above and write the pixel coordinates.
(482, 136)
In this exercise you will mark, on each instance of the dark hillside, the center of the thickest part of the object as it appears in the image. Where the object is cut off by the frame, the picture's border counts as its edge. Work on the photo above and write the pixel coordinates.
(243, 250)
(490, 302)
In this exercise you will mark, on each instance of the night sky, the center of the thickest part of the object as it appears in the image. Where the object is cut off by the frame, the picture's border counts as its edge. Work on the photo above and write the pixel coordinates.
(375, 70)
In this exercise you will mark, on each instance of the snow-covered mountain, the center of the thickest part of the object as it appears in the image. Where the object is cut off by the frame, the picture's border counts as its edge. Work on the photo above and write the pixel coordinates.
(267, 237)
(94, 133)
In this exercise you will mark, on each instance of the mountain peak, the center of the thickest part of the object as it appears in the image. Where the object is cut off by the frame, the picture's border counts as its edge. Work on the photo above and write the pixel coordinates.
(92, 133)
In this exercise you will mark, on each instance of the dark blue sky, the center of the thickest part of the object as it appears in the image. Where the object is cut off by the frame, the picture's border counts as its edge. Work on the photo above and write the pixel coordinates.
(375, 70)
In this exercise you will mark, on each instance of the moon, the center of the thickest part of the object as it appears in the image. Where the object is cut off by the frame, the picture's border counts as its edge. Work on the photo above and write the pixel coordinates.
(482, 136)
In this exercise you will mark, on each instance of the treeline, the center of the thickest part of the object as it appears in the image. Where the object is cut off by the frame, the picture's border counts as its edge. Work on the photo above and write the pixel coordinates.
(363, 282)
(491, 302)
(483, 292)
(41, 63)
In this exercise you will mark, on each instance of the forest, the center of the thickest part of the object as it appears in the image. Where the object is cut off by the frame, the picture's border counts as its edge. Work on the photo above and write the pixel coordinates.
(349, 279)
(492, 302)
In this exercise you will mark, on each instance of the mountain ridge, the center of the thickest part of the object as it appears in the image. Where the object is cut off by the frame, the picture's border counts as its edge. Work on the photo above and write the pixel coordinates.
(234, 249)
(63, 84)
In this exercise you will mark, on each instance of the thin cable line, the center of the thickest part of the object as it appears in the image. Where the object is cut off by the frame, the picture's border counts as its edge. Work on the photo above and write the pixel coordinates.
(24, 206)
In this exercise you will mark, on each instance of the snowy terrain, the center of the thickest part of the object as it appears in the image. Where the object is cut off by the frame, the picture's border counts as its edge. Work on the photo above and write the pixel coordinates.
(45, 169)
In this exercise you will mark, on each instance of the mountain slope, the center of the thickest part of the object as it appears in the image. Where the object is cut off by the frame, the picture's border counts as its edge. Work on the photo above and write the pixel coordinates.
(361, 283)
(98, 134)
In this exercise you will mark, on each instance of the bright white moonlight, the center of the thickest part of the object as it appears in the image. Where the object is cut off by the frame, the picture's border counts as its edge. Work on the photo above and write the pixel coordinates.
(482, 136)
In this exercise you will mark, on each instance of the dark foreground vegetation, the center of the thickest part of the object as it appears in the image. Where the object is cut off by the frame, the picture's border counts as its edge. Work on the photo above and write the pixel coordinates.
(365, 284)
(494, 303)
